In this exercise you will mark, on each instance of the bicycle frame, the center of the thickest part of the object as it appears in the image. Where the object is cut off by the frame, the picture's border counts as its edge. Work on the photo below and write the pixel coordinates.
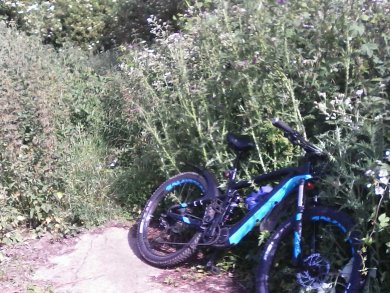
(258, 213)
(293, 177)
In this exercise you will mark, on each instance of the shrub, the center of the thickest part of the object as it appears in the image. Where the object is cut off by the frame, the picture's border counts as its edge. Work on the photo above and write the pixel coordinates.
(53, 144)
(188, 90)
(91, 24)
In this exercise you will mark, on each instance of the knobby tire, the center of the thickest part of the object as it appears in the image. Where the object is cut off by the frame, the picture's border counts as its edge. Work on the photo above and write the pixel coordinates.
(154, 227)
(276, 274)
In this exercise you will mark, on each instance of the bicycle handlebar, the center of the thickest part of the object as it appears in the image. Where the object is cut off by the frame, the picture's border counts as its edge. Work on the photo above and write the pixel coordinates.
(295, 137)
(283, 125)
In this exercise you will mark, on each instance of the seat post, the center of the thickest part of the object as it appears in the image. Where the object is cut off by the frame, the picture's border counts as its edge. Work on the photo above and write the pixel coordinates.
(233, 169)
(237, 160)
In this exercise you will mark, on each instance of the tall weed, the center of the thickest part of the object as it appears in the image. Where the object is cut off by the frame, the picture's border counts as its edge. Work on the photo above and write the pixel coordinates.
(54, 156)
(91, 24)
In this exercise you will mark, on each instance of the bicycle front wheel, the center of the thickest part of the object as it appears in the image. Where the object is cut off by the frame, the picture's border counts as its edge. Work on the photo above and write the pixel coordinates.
(330, 260)
(166, 234)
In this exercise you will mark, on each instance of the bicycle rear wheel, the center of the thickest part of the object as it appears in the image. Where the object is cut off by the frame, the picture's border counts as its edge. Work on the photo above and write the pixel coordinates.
(330, 257)
(164, 239)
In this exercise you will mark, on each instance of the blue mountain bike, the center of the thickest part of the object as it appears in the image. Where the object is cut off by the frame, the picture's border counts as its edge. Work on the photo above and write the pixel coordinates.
(311, 248)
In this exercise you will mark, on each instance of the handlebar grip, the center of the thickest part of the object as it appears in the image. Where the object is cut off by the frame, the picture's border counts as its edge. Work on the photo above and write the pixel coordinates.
(282, 125)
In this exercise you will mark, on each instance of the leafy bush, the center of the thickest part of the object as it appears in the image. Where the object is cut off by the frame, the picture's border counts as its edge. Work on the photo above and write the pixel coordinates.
(188, 90)
(91, 24)
(54, 173)
(359, 175)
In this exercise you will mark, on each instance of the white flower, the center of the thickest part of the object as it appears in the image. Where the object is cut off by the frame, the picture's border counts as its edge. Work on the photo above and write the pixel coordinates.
(32, 7)
(387, 153)
(378, 117)
(383, 173)
(359, 93)
(379, 190)
(384, 180)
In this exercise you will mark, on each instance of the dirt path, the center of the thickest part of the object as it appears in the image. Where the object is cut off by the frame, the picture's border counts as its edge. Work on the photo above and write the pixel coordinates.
(103, 260)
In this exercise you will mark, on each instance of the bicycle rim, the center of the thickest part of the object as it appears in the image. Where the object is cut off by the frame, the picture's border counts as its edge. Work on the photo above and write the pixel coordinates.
(166, 237)
(330, 260)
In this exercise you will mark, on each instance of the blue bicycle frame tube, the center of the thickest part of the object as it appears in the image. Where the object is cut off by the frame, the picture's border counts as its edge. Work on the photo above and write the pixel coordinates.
(242, 228)
(298, 223)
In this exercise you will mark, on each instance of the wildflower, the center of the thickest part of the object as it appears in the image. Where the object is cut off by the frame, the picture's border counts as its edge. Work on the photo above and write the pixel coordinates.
(32, 7)
(386, 154)
(383, 173)
(383, 177)
(384, 180)
(369, 173)
(151, 19)
(359, 93)
(379, 190)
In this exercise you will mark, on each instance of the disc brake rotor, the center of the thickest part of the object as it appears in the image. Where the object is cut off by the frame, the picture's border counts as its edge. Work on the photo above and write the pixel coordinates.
(315, 272)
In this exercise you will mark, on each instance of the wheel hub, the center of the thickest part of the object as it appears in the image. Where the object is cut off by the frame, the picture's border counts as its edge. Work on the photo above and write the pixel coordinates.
(315, 271)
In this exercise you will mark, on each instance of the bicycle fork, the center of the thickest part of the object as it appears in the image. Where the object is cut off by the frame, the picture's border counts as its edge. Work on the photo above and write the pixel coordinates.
(297, 235)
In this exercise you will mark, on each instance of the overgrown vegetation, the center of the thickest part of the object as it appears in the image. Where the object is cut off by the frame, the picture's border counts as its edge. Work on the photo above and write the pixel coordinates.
(91, 24)
(222, 66)
(322, 66)
(54, 173)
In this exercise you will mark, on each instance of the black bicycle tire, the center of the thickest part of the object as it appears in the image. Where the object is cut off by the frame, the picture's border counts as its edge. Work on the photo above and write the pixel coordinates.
(321, 213)
(187, 250)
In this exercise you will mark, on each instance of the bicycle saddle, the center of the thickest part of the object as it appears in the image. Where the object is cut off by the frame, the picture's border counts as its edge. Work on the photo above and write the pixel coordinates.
(240, 143)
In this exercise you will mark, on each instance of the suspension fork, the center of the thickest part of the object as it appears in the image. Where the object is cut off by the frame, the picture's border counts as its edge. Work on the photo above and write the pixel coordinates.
(313, 229)
(297, 235)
